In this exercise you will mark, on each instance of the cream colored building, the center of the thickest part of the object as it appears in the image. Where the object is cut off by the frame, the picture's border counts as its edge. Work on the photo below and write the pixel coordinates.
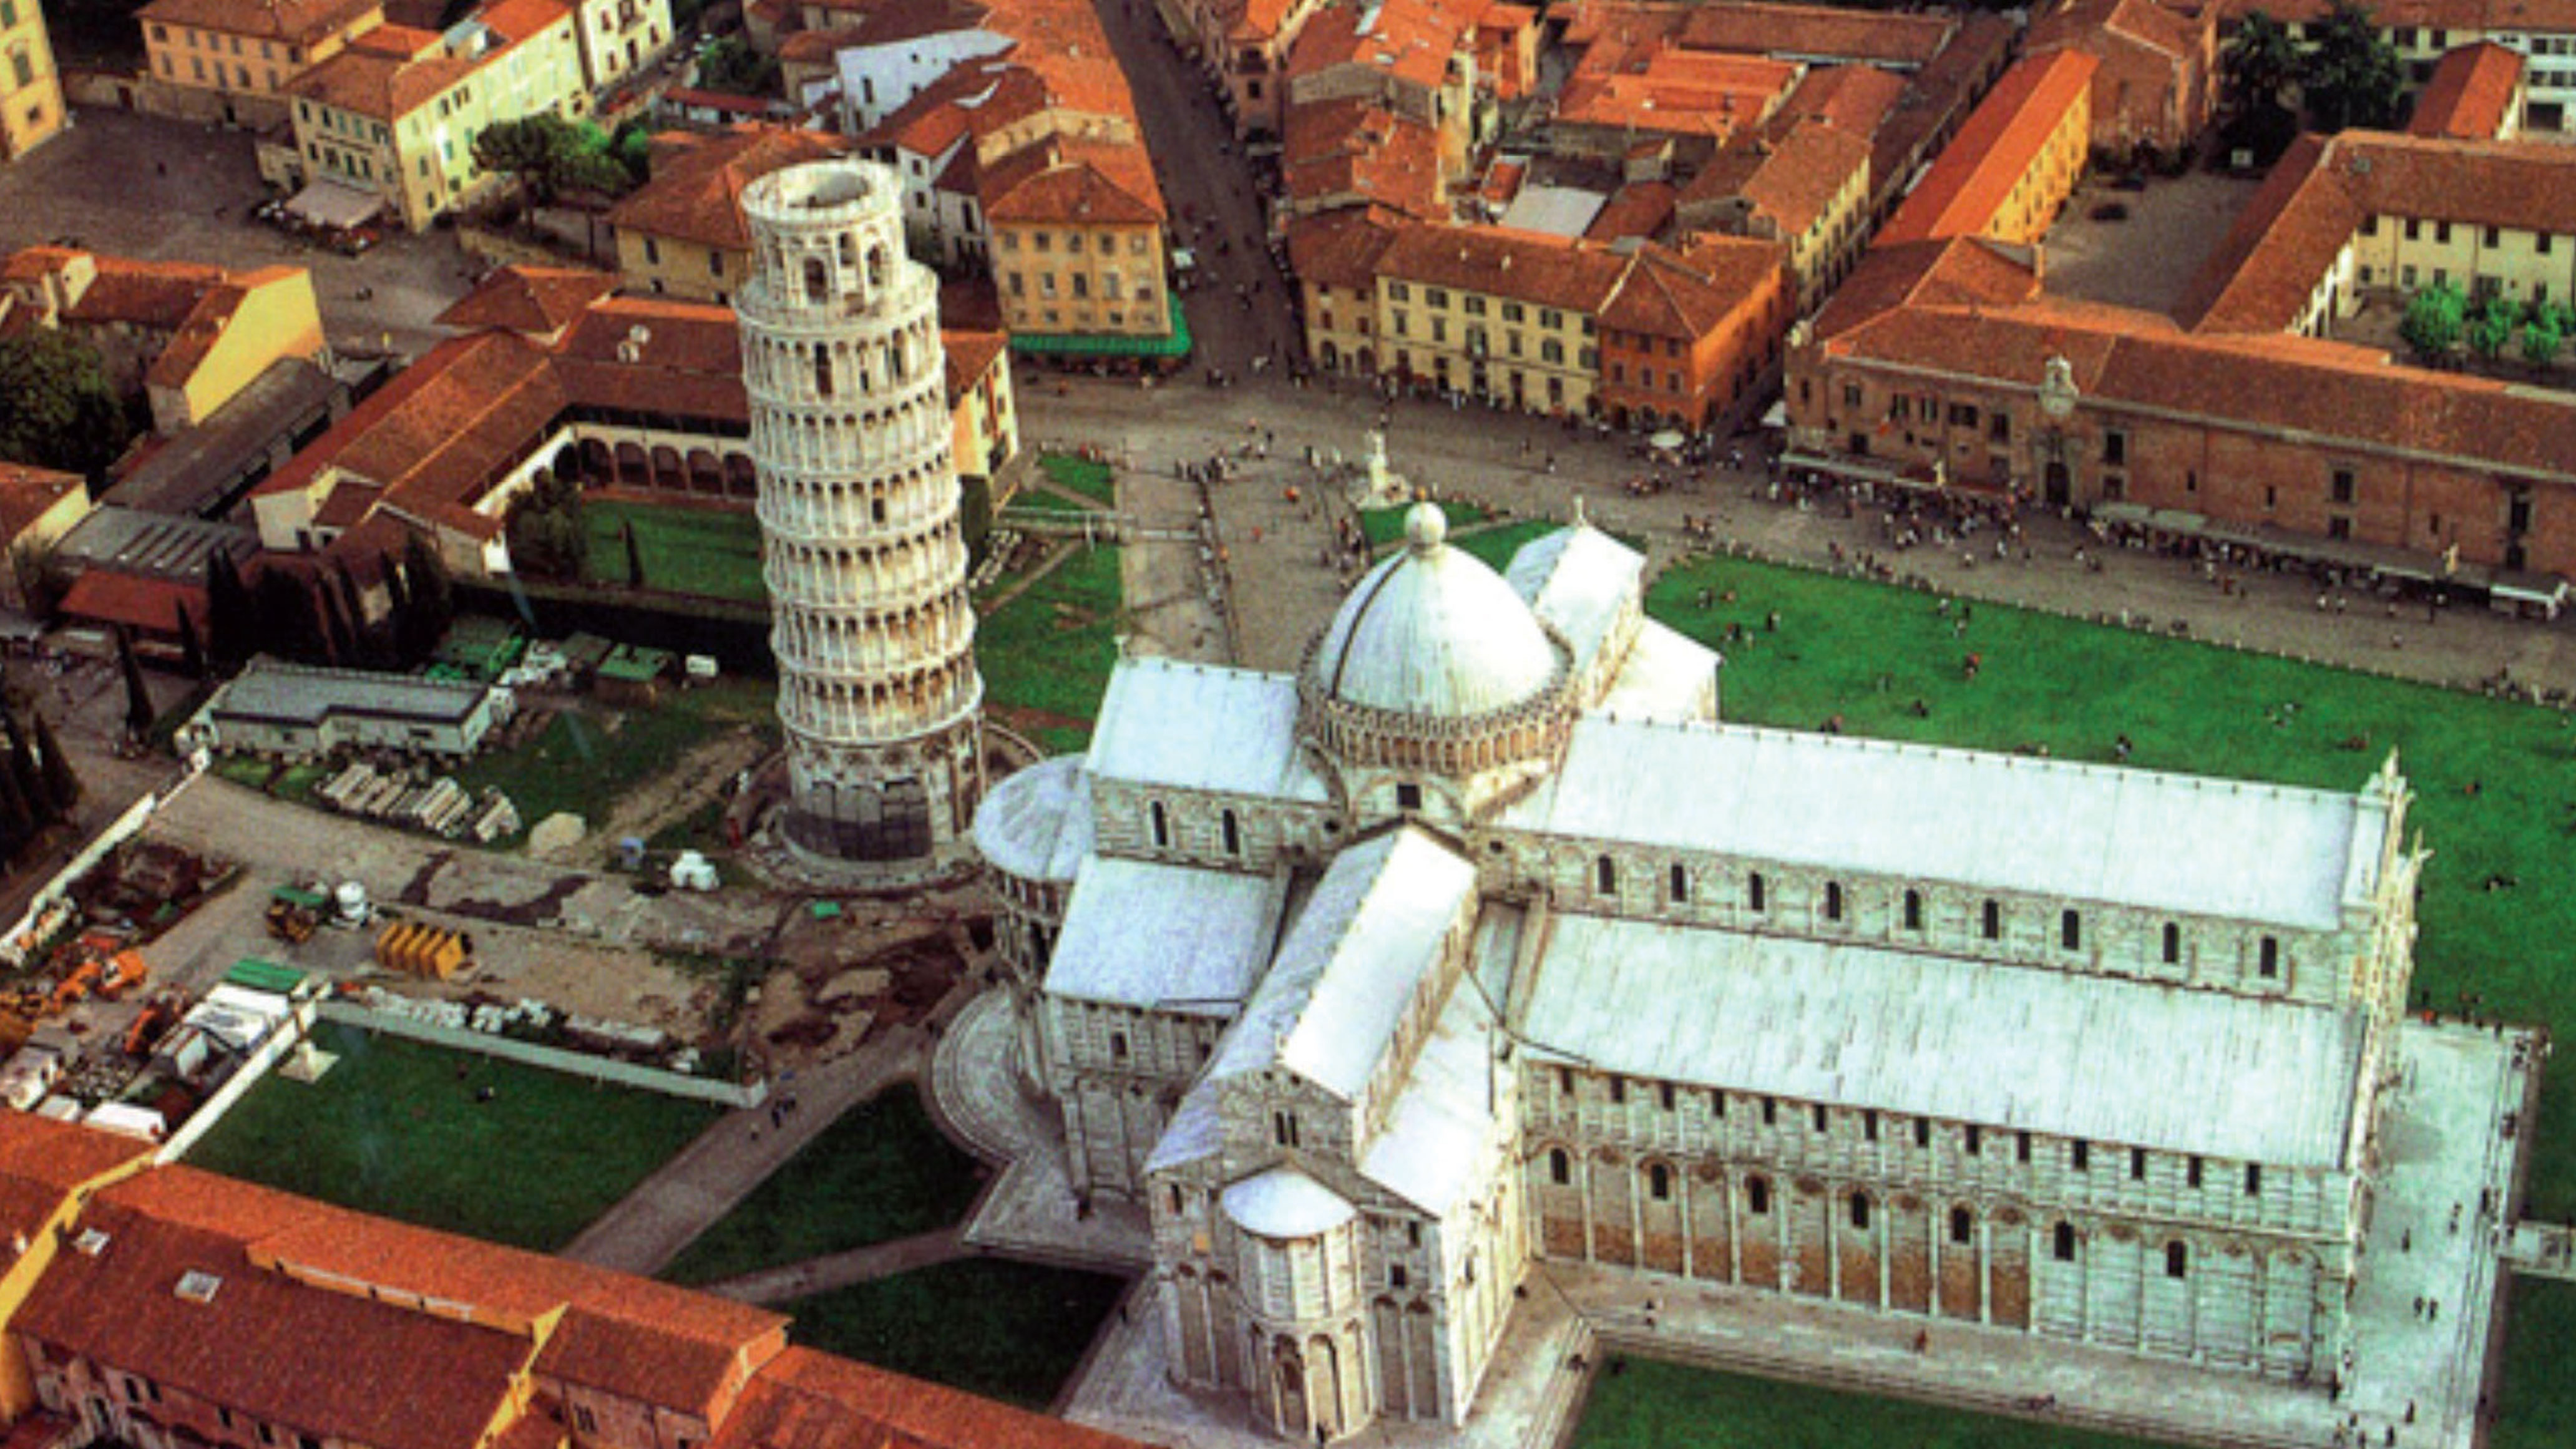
(620, 38)
(1077, 232)
(396, 113)
(1506, 315)
(31, 93)
(230, 60)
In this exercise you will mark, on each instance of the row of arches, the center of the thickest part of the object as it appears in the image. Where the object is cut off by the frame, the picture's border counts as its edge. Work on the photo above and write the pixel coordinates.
(886, 431)
(909, 500)
(881, 643)
(868, 574)
(699, 472)
(850, 265)
(862, 711)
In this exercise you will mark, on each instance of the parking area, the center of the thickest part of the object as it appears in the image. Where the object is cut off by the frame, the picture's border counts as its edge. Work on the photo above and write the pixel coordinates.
(162, 190)
(2141, 247)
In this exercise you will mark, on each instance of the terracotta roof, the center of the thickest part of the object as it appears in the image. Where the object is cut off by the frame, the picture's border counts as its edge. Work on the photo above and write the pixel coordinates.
(1680, 92)
(1411, 41)
(687, 359)
(1525, 266)
(970, 354)
(892, 22)
(2471, 96)
(150, 605)
(208, 321)
(154, 295)
(2518, 16)
(297, 22)
(378, 84)
(1352, 149)
(2083, 23)
(2003, 136)
(1663, 295)
(536, 300)
(1857, 98)
(1962, 271)
(1792, 180)
(807, 1400)
(695, 193)
(1341, 248)
(2330, 392)
(2279, 247)
(1816, 32)
(1073, 182)
(57, 1157)
(1638, 209)
(27, 493)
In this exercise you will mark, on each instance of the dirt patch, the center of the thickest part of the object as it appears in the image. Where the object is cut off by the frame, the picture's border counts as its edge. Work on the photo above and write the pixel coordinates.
(839, 976)
(671, 796)
(1027, 721)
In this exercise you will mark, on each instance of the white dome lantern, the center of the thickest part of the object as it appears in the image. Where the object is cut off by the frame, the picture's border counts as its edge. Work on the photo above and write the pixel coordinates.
(1433, 632)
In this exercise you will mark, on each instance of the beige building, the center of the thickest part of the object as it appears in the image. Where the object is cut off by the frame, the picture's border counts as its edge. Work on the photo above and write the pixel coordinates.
(620, 38)
(230, 60)
(1506, 315)
(1806, 188)
(31, 94)
(396, 113)
(2015, 161)
(37, 507)
(681, 234)
(1077, 230)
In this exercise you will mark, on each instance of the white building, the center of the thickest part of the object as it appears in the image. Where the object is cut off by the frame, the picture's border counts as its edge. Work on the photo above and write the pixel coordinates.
(296, 711)
(1479, 942)
(862, 552)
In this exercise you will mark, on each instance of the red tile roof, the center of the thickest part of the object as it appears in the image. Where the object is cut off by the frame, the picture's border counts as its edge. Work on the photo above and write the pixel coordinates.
(145, 605)
(1341, 248)
(695, 194)
(1992, 152)
(807, 1400)
(1073, 183)
(1351, 149)
(1679, 92)
(539, 301)
(1817, 32)
(1954, 271)
(157, 296)
(1525, 266)
(1663, 295)
(1791, 180)
(2472, 94)
(1638, 209)
(28, 493)
(970, 354)
(297, 22)
(2521, 16)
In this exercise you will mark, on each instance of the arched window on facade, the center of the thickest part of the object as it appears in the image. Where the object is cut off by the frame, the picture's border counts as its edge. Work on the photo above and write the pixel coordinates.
(1757, 1194)
(1605, 876)
(1833, 900)
(2062, 1243)
(1659, 1182)
(1560, 1166)
(2173, 944)
(1963, 1225)
(1233, 832)
(2177, 1260)
(1992, 920)
(1754, 893)
(1914, 910)
(818, 280)
(1161, 821)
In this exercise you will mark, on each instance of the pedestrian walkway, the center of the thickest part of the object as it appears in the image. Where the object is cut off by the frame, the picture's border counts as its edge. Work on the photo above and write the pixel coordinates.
(788, 1282)
(712, 1175)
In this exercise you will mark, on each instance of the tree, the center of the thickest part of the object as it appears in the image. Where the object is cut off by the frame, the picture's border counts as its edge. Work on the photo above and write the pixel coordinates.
(232, 613)
(735, 68)
(547, 156)
(2492, 329)
(54, 768)
(545, 528)
(25, 779)
(57, 407)
(634, 558)
(294, 630)
(427, 605)
(2260, 62)
(138, 696)
(192, 655)
(2351, 75)
(2542, 337)
(2436, 318)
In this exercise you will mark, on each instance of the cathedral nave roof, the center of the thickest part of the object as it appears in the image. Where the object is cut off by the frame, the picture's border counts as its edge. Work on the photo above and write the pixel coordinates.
(1200, 727)
(1164, 937)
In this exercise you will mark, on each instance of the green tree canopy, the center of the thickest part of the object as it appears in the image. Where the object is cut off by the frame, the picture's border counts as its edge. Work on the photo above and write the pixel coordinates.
(2436, 319)
(57, 407)
(2260, 63)
(548, 156)
(2351, 75)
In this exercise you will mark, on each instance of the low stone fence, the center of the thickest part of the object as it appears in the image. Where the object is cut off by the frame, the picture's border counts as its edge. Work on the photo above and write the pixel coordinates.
(271, 1049)
(554, 1059)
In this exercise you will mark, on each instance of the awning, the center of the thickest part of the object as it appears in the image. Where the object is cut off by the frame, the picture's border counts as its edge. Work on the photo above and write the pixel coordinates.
(1107, 344)
(333, 204)
(1777, 419)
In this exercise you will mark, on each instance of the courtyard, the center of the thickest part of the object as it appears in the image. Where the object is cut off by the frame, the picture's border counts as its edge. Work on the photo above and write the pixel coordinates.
(2144, 246)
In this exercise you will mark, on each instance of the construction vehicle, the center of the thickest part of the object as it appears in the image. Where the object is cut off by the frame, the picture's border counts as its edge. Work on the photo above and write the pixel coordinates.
(157, 1017)
(294, 913)
(125, 971)
(75, 987)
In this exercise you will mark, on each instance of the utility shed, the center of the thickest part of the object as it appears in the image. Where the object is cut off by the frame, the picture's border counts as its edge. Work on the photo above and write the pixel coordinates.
(298, 712)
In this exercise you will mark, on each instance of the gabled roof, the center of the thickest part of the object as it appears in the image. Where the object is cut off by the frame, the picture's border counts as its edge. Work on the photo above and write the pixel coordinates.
(2471, 95)
(297, 22)
(42, 1162)
(2519, 16)
(1817, 32)
(1992, 152)
(1966, 271)
(1662, 295)
(1341, 248)
(1352, 147)
(156, 296)
(28, 493)
(807, 1400)
(539, 301)
(1073, 182)
(1791, 180)
(695, 194)
(1525, 266)
(2091, 24)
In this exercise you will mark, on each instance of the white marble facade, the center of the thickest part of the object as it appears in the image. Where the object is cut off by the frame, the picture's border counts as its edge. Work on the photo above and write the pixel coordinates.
(1479, 941)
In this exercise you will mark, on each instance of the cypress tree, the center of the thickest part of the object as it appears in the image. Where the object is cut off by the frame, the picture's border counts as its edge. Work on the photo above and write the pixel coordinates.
(138, 696)
(23, 779)
(336, 640)
(18, 824)
(232, 613)
(192, 655)
(62, 787)
(634, 559)
(353, 610)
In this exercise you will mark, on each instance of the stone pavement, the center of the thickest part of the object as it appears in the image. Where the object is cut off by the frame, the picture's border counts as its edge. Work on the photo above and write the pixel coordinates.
(668, 1210)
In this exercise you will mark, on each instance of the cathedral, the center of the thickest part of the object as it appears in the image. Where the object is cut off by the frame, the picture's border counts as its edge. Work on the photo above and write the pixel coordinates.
(1481, 942)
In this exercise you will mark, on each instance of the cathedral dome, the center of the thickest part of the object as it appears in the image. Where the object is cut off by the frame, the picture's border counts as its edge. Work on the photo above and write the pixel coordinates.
(1433, 632)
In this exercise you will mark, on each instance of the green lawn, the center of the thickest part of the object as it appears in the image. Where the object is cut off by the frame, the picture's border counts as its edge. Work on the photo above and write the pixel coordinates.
(711, 552)
(1078, 475)
(2539, 1397)
(394, 1128)
(1006, 1330)
(1661, 1406)
(584, 762)
(881, 1172)
(1046, 655)
(1382, 526)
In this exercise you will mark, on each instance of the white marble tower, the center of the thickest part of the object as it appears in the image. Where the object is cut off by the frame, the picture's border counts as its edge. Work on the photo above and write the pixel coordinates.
(862, 551)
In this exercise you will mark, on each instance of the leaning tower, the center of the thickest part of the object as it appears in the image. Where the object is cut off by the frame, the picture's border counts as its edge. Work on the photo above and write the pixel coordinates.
(861, 547)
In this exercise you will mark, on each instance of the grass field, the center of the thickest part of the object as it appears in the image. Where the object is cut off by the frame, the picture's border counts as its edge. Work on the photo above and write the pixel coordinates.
(1078, 475)
(1382, 526)
(1652, 1406)
(1046, 655)
(585, 762)
(710, 552)
(881, 1172)
(2539, 1396)
(395, 1129)
(1010, 1331)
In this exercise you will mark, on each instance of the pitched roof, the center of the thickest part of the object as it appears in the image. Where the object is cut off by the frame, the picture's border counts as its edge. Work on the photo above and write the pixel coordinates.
(392, 71)
(2279, 246)
(1817, 32)
(1996, 147)
(2517, 16)
(1680, 92)
(1526, 266)
(970, 353)
(2087, 24)
(1341, 248)
(42, 1162)
(297, 22)
(146, 605)
(27, 493)
(1792, 179)
(1073, 182)
(1637, 209)
(1352, 148)
(154, 295)
(2471, 95)
(695, 193)
(1961, 271)
(535, 300)
(1686, 298)
(807, 1400)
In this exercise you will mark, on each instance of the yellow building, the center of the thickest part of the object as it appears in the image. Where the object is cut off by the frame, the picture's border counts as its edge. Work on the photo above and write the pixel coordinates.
(231, 60)
(2488, 217)
(2015, 161)
(31, 94)
(396, 113)
(48, 1170)
(681, 234)
(37, 507)
(1077, 232)
(1509, 316)
(983, 415)
(1807, 187)
(620, 38)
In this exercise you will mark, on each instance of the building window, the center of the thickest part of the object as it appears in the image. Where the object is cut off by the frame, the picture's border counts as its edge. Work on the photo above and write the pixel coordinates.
(2268, 958)
(2137, 1164)
(582, 1419)
(1869, 1125)
(2062, 1243)
(1770, 1111)
(1233, 832)
(1753, 892)
(1161, 821)
(1914, 910)
(1605, 876)
(1822, 1124)
(1659, 1182)
(1757, 1195)
(1993, 920)
(2079, 1156)
(1408, 796)
(2177, 1260)
(1283, 1128)
(1922, 1131)
(2021, 1147)
(1560, 1167)
(1962, 1225)
(1976, 1142)
(2173, 944)
(1565, 1081)
(1717, 1105)
(1118, 1046)
(1833, 900)
(2342, 485)
(2115, 447)
(2253, 1179)
(1860, 1210)
(2191, 1172)
(2070, 930)
(1677, 885)
(1396, 1276)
